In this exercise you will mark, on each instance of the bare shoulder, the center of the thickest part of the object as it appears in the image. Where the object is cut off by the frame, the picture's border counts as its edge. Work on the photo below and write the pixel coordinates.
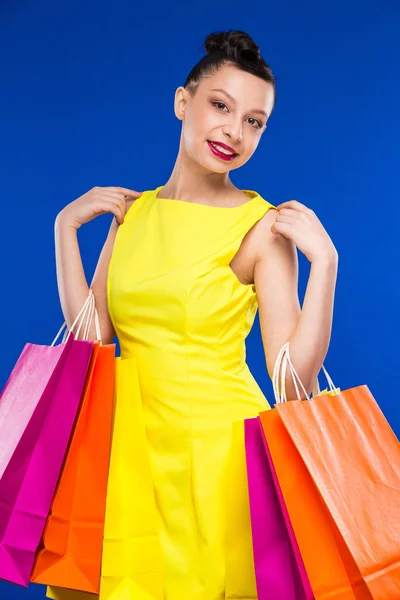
(265, 242)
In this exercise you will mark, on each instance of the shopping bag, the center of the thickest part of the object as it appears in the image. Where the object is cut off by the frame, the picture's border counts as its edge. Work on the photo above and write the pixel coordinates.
(132, 562)
(38, 407)
(59, 593)
(327, 565)
(353, 456)
(349, 456)
(330, 568)
(279, 568)
(71, 546)
(240, 580)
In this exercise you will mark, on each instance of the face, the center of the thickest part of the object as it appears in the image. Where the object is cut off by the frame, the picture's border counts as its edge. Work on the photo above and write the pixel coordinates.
(227, 107)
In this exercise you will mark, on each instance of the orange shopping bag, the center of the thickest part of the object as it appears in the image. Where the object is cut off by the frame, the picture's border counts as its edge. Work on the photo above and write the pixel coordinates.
(71, 546)
(329, 567)
(344, 459)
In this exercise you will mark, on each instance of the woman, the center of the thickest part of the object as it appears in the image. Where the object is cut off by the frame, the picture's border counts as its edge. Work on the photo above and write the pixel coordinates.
(180, 286)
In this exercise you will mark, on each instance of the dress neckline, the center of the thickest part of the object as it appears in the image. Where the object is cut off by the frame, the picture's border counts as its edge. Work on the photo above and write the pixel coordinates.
(253, 196)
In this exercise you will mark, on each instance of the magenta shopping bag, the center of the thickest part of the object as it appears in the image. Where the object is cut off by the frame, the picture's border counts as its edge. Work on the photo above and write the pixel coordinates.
(38, 407)
(279, 568)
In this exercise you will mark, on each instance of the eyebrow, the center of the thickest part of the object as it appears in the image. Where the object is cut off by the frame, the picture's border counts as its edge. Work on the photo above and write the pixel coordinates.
(232, 99)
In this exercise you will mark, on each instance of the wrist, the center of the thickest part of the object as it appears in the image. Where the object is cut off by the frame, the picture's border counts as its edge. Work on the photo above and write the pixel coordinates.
(328, 260)
(63, 221)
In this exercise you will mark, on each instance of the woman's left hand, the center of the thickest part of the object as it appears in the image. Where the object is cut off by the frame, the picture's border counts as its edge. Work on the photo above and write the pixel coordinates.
(301, 225)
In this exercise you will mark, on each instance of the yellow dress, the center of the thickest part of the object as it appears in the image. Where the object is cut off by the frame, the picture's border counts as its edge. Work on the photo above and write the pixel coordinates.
(181, 317)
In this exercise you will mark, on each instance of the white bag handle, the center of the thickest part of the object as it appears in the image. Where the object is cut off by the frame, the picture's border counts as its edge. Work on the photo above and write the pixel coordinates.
(281, 364)
(86, 312)
(89, 318)
(90, 311)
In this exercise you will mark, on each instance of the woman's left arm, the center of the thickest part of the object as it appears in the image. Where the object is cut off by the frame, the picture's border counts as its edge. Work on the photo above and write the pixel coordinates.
(276, 281)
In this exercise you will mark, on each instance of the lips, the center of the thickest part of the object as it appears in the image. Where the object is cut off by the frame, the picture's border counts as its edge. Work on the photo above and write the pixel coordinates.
(220, 154)
(225, 146)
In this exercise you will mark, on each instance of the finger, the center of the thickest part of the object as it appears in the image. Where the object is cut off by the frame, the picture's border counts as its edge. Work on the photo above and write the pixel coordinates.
(115, 199)
(119, 215)
(274, 230)
(295, 204)
(282, 228)
(128, 192)
(285, 219)
(125, 191)
(118, 218)
(120, 210)
(105, 192)
(114, 207)
(288, 211)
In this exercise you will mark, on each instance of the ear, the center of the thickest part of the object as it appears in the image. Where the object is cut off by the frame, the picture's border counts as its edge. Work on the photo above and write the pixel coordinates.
(180, 102)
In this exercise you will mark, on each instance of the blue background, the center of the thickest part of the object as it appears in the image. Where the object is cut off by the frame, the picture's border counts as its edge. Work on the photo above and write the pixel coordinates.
(87, 99)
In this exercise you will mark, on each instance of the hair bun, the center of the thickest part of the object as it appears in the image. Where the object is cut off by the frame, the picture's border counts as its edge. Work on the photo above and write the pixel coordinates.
(234, 44)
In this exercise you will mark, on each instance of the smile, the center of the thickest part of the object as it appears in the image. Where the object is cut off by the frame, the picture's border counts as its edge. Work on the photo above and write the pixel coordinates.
(221, 153)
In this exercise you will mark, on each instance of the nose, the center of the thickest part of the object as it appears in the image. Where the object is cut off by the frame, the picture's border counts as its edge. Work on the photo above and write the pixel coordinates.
(234, 130)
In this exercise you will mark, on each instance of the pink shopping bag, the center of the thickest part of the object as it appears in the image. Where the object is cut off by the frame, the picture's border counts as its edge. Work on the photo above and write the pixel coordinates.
(70, 551)
(38, 407)
(279, 569)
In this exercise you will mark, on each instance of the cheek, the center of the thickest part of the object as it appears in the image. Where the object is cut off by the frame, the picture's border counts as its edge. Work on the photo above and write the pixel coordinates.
(190, 136)
(248, 151)
(202, 123)
(252, 145)
(196, 132)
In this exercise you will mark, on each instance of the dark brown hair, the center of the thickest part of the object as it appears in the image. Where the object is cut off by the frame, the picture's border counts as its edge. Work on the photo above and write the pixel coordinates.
(230, 47)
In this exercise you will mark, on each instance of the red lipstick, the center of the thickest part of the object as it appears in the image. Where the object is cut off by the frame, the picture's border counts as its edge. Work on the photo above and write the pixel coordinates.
(220, 154)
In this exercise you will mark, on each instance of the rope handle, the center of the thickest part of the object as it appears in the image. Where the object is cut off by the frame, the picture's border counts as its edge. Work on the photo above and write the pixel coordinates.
(86, 313)
(281, 364)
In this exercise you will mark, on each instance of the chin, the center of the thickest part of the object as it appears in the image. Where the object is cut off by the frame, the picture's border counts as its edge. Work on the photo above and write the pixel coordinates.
(216, 166)
(210, 165)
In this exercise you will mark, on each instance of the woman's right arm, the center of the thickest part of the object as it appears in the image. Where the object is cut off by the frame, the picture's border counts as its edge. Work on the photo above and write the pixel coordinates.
(72, 285)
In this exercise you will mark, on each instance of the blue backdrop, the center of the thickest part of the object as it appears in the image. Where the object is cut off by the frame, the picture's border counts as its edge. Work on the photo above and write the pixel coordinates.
(87, 99)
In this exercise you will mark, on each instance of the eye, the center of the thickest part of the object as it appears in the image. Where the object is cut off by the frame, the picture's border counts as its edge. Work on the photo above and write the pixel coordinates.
(257, 121)
(252, 118)
(214, 103)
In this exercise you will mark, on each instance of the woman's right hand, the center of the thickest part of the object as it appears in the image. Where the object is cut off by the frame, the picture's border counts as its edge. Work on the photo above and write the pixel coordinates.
(98, 201)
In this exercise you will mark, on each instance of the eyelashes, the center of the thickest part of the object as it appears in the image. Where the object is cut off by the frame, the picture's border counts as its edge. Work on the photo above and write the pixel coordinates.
(260, 125)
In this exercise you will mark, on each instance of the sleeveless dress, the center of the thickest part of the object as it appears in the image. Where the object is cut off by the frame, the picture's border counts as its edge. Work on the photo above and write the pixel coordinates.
(181, 317)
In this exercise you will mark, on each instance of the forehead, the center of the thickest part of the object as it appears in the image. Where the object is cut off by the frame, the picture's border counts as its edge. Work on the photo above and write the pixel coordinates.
(243, 87)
